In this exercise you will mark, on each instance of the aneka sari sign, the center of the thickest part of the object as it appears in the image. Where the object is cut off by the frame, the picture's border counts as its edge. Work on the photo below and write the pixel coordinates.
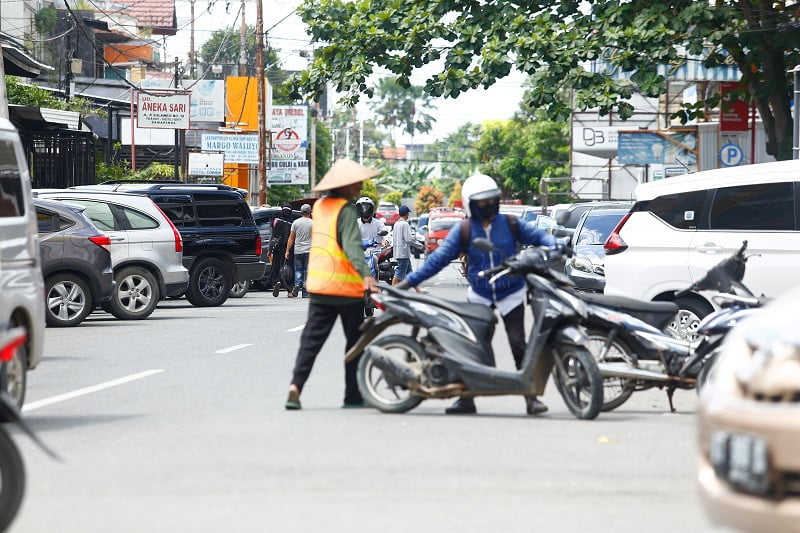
(237, 148)
(170, 111)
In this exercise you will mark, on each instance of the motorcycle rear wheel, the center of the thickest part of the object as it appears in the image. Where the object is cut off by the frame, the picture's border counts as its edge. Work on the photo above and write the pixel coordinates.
(12, 479)
(372, 383)
(580, 382)
(616, 391)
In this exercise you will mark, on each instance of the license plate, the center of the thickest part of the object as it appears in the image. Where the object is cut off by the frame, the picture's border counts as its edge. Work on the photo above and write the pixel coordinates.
(741, 460)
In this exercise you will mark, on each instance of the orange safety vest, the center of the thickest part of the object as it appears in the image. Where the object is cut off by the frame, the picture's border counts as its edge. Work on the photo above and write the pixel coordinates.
(330, 272)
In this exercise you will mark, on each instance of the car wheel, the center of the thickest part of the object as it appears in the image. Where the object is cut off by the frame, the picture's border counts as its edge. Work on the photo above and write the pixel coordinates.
(687, 319)
(136, 294)
(14, 374)
(238, 290)
(209, 283)
(68, 300)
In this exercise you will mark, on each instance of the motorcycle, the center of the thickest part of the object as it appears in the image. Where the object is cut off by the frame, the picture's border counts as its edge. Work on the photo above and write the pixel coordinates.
(12, 469)
(635, 353)
(449, 351)
(376, 256)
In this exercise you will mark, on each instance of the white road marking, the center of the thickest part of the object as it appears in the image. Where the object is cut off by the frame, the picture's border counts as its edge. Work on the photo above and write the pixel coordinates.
(298, 328)
(88, 390)
(233, 348)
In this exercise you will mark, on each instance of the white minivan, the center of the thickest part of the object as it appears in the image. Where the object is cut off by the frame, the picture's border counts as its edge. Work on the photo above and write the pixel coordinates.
(21, 285)
(682, 226)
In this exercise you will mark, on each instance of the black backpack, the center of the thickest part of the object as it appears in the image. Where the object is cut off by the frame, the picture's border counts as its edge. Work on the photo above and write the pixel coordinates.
(466, 233)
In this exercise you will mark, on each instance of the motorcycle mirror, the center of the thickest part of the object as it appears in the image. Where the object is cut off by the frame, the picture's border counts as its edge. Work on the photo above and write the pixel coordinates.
(383, 233)
(482, 244)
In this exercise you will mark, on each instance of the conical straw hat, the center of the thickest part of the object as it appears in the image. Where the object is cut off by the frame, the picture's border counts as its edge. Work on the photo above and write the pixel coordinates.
(345, 172)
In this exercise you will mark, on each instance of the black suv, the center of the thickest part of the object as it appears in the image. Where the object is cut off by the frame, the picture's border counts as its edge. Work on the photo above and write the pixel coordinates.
(221, 243)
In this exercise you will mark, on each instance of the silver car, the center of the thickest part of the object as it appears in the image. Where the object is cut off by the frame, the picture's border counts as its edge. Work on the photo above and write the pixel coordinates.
(146, 249)
(21, 283)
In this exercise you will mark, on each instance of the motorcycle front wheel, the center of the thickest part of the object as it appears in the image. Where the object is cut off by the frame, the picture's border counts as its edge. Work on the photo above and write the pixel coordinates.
(12, 479)
(578, 380)
(373, 385)
(616, 391)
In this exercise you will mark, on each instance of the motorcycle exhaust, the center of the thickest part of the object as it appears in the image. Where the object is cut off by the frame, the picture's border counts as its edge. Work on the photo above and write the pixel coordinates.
(394, 367)
(624, 370)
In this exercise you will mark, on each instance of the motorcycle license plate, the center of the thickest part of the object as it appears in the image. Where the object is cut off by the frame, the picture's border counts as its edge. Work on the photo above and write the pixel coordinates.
(741, 460)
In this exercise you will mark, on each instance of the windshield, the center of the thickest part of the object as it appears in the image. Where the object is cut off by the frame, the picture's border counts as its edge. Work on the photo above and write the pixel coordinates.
(439, 224)
(597, 228)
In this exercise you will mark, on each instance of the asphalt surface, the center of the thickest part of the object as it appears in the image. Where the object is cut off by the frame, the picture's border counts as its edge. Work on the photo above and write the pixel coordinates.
(176, 423)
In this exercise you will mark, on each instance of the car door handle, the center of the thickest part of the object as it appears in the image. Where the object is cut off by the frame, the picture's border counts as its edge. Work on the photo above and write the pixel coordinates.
(116, 239)
(709, 248)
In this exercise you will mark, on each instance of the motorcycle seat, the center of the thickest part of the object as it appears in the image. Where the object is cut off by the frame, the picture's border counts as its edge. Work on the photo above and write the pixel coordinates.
(465, 309)
(656, 314)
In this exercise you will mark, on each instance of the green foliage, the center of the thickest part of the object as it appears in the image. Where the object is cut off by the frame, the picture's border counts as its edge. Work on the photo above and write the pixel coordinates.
(373, 138)
(475, 44)
(455, 196)
(518, 153)
(427, 197)
(457, 152)
(285, 193)
(155, 171)
(370, 190)
(407, 179)
(45, 20)
(20, 93)
(394, 197)
(402, 106)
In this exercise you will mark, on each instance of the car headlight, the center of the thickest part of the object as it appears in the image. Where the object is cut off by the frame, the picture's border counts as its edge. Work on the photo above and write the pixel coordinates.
(735, 353)
(582, 263)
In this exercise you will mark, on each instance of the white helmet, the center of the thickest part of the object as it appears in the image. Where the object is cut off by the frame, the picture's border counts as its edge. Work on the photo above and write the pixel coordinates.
(478, 187)
(365, 207)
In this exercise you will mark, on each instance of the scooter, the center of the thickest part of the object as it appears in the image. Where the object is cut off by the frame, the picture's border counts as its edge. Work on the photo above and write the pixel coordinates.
(12, 470)
(372, 251)
(449, 351)
(635, 353)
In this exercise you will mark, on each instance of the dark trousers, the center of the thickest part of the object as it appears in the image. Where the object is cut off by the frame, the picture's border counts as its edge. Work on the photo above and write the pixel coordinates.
(515, 330)
(319, 323)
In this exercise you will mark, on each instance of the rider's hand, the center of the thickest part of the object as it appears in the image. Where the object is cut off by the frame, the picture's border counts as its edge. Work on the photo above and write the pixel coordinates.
(371, 284)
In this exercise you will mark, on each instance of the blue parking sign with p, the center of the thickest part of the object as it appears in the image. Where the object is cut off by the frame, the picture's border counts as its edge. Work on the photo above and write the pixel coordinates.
(730, 155)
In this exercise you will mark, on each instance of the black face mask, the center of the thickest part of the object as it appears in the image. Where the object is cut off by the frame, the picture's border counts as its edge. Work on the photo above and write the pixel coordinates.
(485, 213)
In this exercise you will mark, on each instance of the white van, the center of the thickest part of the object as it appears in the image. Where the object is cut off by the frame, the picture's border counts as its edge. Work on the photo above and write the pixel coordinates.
(21, 285)
(682, 226)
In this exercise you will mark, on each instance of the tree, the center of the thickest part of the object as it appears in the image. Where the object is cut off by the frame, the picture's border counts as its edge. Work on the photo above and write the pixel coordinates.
(19, 93)
(455, 196)
(553, 41)
(408, 179)
(394, 197)
(456, 152)
(370, 190)
(427, 197)
(402, 106)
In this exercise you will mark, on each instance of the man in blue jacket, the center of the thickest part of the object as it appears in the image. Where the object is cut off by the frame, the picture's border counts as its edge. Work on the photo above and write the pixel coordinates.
(481, 198)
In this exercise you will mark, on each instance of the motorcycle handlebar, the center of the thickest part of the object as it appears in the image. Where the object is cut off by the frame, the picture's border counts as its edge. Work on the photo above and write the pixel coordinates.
(492, 271)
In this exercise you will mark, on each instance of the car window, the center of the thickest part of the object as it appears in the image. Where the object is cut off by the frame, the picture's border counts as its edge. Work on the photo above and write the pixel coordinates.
(597, 228)
(137, 220)
(764, 206)
(219, 213)
(98, 212)
(12, 199)
(680, 210)
(439, 224)
(179, 209)
(47, 221)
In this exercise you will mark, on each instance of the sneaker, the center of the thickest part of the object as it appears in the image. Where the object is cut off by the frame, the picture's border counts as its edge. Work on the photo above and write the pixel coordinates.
(293, 401)
(534, 406)
(462, 406)
(295, 290)
(276, 290)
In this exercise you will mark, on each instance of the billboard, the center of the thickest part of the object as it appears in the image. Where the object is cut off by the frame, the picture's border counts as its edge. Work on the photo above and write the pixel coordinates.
(201, 164)
(208, 101)
(657, 147)
(163, 111)
(237, 148)
(289, 172)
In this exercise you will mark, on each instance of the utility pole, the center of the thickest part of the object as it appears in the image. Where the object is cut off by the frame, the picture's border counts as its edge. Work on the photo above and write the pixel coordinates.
(243, 46)
(312, 156)
(191, 43)
(262, 127)
(3, 96)
(177, 132)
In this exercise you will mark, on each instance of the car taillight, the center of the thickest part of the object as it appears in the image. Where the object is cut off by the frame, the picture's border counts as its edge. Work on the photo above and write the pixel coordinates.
(614, 244)
(259, 246)
(102, 241)
(175, 233)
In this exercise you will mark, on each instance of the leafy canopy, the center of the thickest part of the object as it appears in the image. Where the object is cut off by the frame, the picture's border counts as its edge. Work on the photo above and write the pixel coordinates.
(474, 43)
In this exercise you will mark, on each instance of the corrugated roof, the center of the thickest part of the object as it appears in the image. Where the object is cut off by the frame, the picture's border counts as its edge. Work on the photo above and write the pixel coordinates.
(156, 14)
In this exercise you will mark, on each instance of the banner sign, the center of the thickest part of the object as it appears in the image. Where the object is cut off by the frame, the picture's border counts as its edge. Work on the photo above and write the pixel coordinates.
(735, 118)
(600, 141)
(237, 148)
(201, 164)
(650, 148)
(290, 128)
(163, 111)
(290, 172)
(208, 101)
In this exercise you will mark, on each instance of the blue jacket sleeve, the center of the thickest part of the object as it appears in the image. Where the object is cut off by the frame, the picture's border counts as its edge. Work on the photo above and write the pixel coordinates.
(448, 251)
(530, 234)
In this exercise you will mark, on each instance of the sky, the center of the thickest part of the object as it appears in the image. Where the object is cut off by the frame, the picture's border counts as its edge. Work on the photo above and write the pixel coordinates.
(286, 32)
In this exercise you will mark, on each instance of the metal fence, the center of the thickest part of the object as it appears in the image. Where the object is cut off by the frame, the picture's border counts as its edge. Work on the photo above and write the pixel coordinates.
(59, 158)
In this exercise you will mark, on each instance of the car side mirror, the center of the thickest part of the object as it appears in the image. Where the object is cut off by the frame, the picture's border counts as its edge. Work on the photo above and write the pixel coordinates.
(424, 227)
(563, 232)
(562, 218)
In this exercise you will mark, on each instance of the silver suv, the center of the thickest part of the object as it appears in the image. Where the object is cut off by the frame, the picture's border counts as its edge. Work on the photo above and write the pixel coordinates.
(146, 249)
(21, 284)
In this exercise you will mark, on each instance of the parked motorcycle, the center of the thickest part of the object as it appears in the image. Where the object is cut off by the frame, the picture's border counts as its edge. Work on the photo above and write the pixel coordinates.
(449, 351)
(12, 470)
(635, 353)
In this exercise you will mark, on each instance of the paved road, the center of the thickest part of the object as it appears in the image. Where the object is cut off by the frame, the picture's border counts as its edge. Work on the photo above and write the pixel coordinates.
(176, 423)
